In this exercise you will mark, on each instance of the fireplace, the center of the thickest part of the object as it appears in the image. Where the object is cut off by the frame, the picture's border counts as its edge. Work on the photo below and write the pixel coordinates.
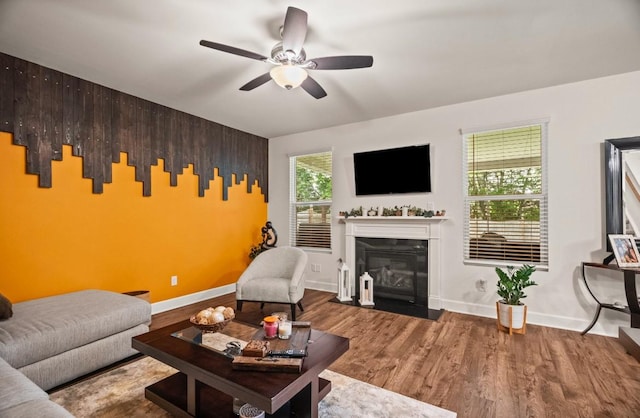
(399, 268)
(402, 255)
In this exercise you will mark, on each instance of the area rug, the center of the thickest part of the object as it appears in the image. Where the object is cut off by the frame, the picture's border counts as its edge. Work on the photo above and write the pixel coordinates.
(120, 393)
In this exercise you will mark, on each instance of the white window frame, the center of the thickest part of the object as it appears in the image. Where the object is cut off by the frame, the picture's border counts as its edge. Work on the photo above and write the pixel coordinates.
(543, 264)
(294, 204)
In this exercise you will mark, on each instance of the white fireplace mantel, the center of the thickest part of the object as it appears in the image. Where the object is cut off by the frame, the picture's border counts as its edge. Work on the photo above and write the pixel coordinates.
(401, 227)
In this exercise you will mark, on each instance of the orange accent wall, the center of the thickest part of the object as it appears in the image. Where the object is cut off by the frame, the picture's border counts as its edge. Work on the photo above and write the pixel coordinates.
(66, 238)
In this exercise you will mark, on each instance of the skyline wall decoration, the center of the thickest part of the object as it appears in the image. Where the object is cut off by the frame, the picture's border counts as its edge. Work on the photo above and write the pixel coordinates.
(45, 109)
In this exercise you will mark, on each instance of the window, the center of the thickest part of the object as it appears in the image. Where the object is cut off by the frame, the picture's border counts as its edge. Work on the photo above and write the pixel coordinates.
(311, 194)
(506, 195)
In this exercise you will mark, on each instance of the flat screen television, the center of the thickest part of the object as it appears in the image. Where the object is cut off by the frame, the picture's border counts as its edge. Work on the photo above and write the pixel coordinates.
(394, 170)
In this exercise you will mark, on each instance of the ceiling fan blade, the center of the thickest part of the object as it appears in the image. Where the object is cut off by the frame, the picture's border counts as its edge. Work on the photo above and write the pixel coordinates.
(344, 62)
(294, 30)
(233, 50)
(312, 87)
(256, 82)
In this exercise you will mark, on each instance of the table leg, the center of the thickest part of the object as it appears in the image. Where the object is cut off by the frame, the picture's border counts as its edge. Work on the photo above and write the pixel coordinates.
(597, 315)
(632, 297)
(305, 403)
(595, 319)
(191, 396)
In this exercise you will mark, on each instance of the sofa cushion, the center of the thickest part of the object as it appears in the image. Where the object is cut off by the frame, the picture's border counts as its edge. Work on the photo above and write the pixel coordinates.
(16, 389)
(42, 328)
(37, 408)
(64, 367)
(5, 307)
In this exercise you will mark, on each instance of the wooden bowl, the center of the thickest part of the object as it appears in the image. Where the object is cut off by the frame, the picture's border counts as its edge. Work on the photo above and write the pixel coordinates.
(217, 327)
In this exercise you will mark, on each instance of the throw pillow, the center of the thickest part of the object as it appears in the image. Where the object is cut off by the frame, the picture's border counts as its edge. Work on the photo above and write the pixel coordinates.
(5, 308)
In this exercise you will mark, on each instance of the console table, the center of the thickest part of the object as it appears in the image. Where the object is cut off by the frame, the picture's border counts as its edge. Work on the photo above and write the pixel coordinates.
(632, 308)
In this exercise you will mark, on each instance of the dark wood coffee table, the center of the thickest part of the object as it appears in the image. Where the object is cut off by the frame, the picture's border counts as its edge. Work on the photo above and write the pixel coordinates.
(206, 384)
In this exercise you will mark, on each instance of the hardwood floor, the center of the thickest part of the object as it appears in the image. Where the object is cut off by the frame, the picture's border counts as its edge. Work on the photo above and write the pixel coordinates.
(464, 364)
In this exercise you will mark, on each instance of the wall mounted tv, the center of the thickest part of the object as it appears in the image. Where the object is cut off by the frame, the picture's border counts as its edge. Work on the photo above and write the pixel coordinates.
(394, 170)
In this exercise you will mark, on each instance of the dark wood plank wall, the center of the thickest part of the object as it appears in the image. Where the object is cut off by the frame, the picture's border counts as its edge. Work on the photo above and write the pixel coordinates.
(45, 109)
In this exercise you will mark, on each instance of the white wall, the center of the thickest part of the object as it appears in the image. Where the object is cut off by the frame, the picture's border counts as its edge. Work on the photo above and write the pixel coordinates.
(582, 115)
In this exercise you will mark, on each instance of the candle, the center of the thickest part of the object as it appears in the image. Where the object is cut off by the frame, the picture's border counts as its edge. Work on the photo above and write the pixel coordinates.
(270, 326)
(284, 330)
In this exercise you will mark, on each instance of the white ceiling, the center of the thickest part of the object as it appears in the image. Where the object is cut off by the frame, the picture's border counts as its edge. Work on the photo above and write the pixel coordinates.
(427, 53)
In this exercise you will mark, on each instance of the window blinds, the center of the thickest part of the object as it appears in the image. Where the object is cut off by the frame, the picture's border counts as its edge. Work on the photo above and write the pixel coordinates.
(311, 195)
(505, 195)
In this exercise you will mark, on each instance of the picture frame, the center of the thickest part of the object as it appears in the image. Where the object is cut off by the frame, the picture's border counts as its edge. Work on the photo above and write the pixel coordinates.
(625, 250)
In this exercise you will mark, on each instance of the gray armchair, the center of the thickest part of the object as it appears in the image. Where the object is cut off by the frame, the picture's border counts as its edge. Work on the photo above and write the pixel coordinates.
(274, 276)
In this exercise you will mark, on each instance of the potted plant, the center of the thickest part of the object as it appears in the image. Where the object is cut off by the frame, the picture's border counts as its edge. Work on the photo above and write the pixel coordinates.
(512, 313)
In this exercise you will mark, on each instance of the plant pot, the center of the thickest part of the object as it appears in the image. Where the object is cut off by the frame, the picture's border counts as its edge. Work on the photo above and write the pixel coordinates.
(512, 317)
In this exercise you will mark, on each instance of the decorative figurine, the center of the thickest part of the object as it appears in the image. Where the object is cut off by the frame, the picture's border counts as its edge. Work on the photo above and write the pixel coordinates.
(269, 236)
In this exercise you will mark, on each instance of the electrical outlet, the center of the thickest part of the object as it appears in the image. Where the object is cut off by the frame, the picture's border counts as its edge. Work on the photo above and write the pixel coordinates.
(482, 285)
(174, 280)
(318, 268)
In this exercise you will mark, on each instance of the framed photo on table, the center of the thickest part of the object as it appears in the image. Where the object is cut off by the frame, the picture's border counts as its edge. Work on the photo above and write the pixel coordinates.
(625, 250)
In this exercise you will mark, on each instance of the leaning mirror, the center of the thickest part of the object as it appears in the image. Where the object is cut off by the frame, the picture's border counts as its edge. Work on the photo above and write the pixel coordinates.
(622, 186)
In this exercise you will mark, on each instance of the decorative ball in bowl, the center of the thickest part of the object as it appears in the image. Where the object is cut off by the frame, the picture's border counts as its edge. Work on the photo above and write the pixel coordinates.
(213, 319)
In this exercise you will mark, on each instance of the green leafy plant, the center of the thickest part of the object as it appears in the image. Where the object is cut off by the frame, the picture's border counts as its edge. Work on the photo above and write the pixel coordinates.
(511, 284)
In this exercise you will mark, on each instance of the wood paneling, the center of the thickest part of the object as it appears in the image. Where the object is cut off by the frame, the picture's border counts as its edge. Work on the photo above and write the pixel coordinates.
(7, 68)
(45, 109)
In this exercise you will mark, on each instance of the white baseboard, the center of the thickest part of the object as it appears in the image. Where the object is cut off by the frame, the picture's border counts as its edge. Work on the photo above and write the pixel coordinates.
(181, 301)
(323, 286)
(552, 321)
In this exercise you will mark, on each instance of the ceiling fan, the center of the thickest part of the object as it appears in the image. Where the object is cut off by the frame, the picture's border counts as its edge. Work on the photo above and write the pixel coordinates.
(290, 59)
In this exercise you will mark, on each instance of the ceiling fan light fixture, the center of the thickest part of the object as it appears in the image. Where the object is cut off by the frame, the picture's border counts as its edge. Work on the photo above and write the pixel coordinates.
(288, 76)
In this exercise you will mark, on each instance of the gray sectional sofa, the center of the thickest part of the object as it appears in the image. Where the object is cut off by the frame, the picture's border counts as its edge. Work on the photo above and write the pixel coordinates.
(21, 398)
(56, 339)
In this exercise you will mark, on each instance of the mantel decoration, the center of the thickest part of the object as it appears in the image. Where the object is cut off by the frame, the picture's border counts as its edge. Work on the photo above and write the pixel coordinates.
(512, 314)
(404, 210)
(269, 240)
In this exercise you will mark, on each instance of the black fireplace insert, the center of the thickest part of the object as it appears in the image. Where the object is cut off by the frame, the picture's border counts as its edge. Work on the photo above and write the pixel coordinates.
(400, 272)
